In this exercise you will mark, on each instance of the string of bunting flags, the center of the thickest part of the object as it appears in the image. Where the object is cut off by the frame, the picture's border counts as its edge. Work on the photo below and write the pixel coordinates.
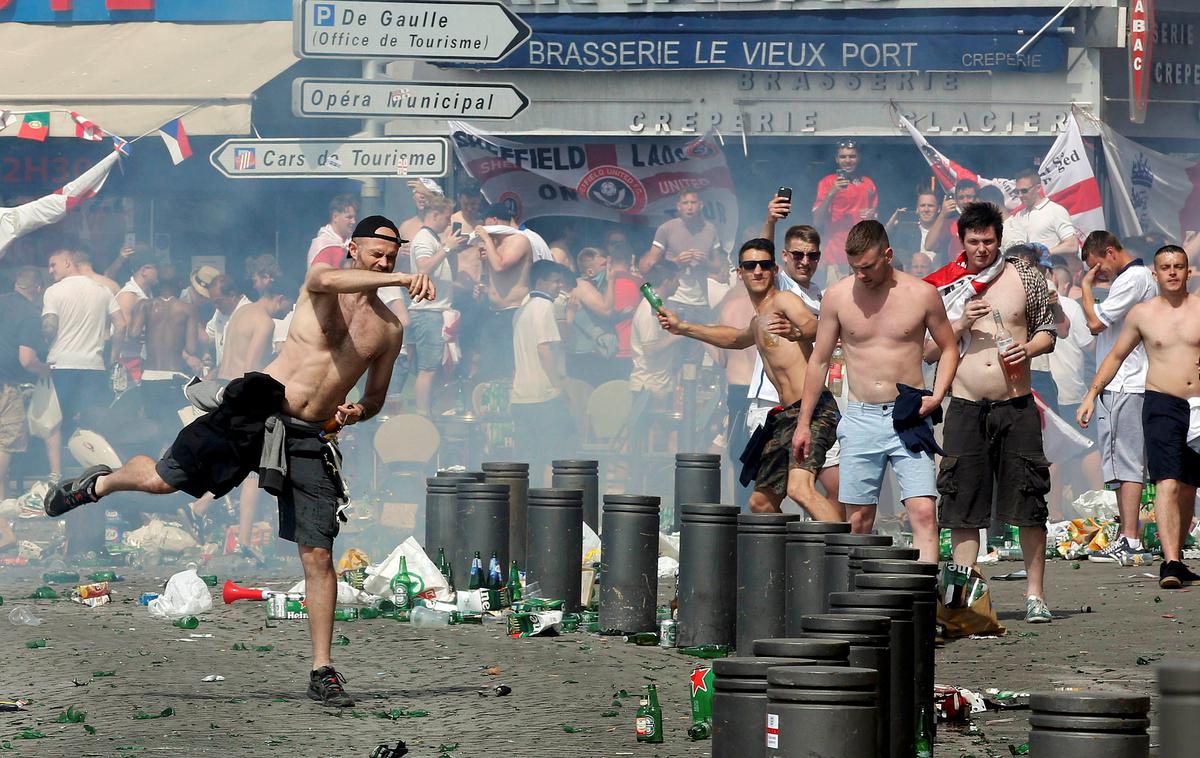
(35, 125)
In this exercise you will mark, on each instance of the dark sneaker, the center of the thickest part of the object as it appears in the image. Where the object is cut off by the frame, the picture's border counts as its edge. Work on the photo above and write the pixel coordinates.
(191, 522)
(1189, 576)
(1173, 574)
(325, 686)
(72, 493)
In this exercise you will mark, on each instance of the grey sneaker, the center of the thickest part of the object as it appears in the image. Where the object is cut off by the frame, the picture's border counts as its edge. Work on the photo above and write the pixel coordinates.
(1036, 611)
(1115, 552)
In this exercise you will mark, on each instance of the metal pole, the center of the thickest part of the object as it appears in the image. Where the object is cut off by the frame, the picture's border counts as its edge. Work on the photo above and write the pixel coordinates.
(372, 200)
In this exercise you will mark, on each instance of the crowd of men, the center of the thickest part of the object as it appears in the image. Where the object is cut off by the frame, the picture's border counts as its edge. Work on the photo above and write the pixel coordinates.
(544, 319)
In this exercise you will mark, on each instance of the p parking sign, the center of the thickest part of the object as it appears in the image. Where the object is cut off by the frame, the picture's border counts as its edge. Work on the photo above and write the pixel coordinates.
(322, 14)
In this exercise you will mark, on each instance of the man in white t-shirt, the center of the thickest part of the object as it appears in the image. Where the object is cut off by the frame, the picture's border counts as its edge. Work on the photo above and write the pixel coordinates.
(77, 317)
(430, 257)
(1118, 414)
(329, 246)
(227, 294)
(1039, 219)
(541, 418)
(801, 255)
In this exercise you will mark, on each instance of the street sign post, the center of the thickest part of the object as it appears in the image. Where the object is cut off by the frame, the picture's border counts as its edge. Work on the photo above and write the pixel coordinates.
(331, 158)
(361, 98)
(452, 30)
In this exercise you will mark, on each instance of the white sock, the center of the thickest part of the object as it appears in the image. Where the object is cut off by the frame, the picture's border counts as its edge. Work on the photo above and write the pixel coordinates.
(1136, 544)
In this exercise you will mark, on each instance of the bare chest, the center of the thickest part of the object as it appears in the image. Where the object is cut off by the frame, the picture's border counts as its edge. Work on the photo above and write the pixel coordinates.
(1168, 329)
(352, 331)
(876, 320)
(1006, 295)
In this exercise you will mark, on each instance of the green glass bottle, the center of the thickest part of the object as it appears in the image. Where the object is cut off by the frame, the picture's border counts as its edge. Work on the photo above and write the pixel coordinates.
(345, 614)
(655, 302)
(443, 566)
(187, 622)
(401, 585)
(103, 576)
(924, 743)
(514, 583)
(701, 730)
(706, 651)
(494, 579)
(44, 593)
(61, 577)
(458, 617)
(644, 639)
(649, 717)
(476, 580)
(370, 613)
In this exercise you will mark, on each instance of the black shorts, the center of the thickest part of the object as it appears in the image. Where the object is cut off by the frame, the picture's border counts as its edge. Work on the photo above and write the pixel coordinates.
(308, 501)
(203, 458)
(1165, 420)
(993, 446)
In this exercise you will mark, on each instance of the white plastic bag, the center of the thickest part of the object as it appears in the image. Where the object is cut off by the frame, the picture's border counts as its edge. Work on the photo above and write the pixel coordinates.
(346, 595)
(186, 595)
(45, 415)
(431, 585)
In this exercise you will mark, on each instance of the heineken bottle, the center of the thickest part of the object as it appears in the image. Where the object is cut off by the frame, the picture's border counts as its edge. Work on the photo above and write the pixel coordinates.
(924, 744)
(701, 730)
(494, 579)
(644, 639)
(655, 302)
(514, 583)
(649, 717)
(443, 566)
(701, 686)
(401, 586)
(476, 579)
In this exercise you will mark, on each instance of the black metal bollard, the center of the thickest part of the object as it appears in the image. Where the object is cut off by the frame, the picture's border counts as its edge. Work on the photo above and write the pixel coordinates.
(825, 652)
(482, 526)
(1178, 707)
(876, 552)
(516, 476)
(441, 514)
(708, 575)
(1091, 725)
(870, 641)
(761, 577)
(897, 606)
(475, 476)
(629, 563)
(697, 480)
(804, 557)
(555, 524)
(739, 703)
(923, 588)
(822, 711)
(571, 474)
(837, 557)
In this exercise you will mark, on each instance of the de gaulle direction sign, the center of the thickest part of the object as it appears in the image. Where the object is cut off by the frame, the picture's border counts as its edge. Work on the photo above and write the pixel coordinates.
(451, 30)
(316, 97)
(299, 158)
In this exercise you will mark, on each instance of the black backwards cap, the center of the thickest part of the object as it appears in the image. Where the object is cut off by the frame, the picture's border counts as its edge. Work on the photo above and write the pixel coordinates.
(370, 226)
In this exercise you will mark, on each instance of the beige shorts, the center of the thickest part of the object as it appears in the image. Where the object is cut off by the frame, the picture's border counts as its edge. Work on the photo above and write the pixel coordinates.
(14, 427)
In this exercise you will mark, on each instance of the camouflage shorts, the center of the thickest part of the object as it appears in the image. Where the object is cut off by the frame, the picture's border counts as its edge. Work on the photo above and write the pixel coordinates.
(777, 459)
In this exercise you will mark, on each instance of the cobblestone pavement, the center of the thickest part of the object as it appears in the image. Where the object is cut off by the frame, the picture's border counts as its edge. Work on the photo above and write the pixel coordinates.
(562, 700)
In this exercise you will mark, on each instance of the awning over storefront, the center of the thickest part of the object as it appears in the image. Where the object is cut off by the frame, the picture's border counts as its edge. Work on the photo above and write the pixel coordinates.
(132, 78)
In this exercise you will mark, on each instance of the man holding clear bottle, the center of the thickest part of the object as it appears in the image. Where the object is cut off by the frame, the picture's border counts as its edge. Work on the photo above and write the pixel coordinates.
(993, 431)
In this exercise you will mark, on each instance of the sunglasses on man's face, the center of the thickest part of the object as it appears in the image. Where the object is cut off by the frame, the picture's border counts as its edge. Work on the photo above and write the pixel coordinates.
(801, 255)
(751, 265)
(1025, 191)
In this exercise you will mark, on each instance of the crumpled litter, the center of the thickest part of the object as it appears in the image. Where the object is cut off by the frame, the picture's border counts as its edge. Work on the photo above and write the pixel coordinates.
(668, 544)
(160, 536)
(591, 546)
(346, 594)
(667, 567)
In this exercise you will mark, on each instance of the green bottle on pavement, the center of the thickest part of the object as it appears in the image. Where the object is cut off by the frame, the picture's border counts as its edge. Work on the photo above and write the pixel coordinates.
(649, 717)
(44, 593)
(345, 614)
(644, 639)
(494, 579)
(476, 579)
(701, 730)
(514, 583)
(103, 576)
(701, 686)
(443, 566)
(706, 651)
(187, 622)
(924, 743)
(61, 577)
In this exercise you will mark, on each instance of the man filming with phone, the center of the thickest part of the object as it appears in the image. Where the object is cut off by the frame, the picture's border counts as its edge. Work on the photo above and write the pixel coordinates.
(844, 198)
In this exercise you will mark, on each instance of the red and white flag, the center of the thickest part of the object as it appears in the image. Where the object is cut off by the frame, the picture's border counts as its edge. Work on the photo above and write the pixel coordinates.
(23, 219)
(1066, 173)
(627, 182)
(85, 129)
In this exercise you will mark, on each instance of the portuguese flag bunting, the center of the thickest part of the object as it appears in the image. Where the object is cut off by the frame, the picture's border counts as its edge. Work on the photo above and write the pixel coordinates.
(35, 126)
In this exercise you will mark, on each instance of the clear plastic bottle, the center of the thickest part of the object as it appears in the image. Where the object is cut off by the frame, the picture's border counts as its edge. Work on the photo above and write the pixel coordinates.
(422, 616)
(22, 616)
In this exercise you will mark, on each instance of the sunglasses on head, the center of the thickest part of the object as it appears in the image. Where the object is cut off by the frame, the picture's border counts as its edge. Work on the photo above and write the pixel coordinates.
(751, 265)
(800, 255)
(847, 143)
